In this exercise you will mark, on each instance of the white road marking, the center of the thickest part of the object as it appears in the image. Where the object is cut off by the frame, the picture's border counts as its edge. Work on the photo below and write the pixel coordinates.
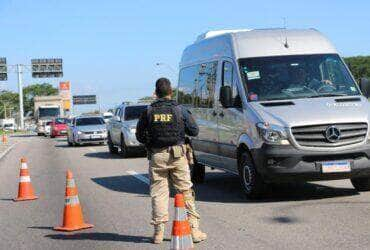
(92, 149)
(139, 176)
(7, 150)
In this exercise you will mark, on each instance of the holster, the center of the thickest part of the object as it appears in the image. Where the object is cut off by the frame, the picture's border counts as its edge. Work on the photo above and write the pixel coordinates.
(189, 154)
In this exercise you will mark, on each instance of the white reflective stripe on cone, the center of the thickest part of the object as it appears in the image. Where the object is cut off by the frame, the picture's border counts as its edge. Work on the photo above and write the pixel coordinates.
(71, 183)
(180, 214)
(181, 243)
(72, 200)
(24, 165)
(25, 179)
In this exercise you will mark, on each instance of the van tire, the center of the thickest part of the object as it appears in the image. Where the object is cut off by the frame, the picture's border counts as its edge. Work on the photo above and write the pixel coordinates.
(361, 184)
(197, 172)
(250, 180)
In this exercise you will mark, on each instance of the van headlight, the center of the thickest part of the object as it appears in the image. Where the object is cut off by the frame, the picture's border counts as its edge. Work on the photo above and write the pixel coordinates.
(79, 132)
(272, 134)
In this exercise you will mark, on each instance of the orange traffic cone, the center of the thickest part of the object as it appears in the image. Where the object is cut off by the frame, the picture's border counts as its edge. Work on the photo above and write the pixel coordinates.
(181, 233)
(5, 138)
(72, 216)
(25, 189)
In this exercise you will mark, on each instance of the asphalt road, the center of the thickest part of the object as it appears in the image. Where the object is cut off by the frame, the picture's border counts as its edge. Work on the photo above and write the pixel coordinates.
(326, 215)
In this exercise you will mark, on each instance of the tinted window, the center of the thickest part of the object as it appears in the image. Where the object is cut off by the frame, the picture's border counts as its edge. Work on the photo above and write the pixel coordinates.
(197, 85)
(89, 121)
(303, 76)
(187, 81)
(133, 112)
(43, 112)
(61, 121)
(228, 79)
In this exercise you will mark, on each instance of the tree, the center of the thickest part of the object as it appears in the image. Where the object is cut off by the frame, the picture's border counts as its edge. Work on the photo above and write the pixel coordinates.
(29, 92)
(359, 66)
(8, 103)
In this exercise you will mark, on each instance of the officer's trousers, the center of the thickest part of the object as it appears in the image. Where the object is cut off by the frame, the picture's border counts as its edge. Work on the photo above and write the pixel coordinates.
(163, 170)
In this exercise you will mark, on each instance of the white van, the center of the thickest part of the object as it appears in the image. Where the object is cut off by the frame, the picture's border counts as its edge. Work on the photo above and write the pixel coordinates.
(275, 105)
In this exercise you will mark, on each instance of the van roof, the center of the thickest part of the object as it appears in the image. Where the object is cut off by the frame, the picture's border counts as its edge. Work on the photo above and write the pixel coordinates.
(256, 43)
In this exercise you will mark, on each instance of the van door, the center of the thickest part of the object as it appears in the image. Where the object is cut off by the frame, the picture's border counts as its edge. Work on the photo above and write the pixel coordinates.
(230, 120)
(197, 86)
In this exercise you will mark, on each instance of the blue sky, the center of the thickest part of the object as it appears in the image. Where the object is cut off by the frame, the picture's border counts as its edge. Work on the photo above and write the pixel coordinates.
(110, 48)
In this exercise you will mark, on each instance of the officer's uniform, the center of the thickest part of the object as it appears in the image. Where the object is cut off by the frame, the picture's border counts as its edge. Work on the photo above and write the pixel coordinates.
(162, 128)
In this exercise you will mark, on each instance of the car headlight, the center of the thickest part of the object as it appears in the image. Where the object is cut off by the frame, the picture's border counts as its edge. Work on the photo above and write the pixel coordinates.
(79, 133)
(133, 130)
(272, 134)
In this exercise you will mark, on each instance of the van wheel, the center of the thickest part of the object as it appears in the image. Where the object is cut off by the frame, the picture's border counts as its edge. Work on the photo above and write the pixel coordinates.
(111, 147)
(124, 149)
(361, 184)
(250, 180)
(197, 172)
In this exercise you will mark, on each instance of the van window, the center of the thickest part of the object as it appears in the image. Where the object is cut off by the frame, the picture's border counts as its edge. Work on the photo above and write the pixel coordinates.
(228, 80)
(187, 82)
(300, 76)
(197, 85)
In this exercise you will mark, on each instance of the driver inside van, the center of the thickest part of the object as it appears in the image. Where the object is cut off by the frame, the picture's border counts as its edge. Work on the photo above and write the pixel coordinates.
(301, 77)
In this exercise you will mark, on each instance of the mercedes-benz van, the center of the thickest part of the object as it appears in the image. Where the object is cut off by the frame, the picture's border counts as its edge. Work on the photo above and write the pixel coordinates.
(275, 105)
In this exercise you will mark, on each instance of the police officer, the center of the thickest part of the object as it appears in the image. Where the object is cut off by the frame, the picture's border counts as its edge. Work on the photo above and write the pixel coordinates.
(162, 128)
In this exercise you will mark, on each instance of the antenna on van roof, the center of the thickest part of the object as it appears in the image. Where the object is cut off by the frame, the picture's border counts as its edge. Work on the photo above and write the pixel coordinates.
(286, 45)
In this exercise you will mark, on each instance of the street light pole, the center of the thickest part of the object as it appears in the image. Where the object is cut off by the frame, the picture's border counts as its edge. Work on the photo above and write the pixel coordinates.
(20, 90)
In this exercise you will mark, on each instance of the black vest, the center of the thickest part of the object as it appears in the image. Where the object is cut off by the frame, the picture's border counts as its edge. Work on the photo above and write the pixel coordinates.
(165, 124)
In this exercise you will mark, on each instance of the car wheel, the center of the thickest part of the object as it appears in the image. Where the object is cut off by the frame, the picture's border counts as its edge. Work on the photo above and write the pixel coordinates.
(124, 149)
(69, 142)
(361, 184)
(252, 183)
(198, 172)
(111, 147)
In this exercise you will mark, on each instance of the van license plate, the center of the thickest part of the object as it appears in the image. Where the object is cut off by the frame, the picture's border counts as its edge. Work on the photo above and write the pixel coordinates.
(336, 166)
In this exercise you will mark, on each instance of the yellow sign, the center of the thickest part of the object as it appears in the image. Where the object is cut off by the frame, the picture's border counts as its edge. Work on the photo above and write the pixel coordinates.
(67, 104)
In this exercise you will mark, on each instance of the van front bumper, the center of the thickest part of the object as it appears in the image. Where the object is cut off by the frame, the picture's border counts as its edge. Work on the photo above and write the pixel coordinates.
(285, 163)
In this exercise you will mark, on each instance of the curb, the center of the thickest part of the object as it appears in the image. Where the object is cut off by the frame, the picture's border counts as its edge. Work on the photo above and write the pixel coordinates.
(3, 154)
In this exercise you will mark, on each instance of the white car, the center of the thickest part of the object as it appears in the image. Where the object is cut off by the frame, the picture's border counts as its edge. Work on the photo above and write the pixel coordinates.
(47, 128)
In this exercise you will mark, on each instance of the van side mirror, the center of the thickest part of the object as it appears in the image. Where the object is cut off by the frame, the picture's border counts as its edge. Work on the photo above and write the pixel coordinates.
(365, 86)
(226, 96)
(117, 118)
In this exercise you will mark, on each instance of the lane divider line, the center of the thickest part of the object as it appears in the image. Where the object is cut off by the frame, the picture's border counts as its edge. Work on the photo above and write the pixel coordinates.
(139, 176)
(3, 154)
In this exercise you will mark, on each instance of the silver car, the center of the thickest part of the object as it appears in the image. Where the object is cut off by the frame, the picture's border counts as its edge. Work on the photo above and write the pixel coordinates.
(122, 128)
(86, 129)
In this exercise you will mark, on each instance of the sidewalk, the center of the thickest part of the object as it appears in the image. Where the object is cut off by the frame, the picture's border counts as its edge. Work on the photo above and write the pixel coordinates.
(5, 148)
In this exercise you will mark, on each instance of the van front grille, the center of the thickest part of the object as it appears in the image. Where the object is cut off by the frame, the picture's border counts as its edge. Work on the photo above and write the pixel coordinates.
(316, 135)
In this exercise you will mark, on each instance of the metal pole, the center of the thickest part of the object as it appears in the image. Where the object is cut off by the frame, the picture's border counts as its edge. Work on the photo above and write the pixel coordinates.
(20, 90)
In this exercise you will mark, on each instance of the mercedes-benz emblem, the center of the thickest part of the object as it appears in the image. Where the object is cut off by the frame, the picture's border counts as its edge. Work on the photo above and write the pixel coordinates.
(332, 134)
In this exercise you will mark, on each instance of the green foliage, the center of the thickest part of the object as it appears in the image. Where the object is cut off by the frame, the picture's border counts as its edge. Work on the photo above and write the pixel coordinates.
(10, 99)
(8, 102)
(33, 90)
(359, 66)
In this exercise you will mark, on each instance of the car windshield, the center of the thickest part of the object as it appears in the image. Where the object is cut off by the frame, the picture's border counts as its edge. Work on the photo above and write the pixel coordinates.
(8, 125)
(61, 121)
(44, 112)
(134, 112)
(89, 121)
(291, 77)
(108, 116)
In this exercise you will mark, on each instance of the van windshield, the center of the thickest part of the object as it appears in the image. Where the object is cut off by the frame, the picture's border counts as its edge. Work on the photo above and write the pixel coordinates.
(291, 77)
